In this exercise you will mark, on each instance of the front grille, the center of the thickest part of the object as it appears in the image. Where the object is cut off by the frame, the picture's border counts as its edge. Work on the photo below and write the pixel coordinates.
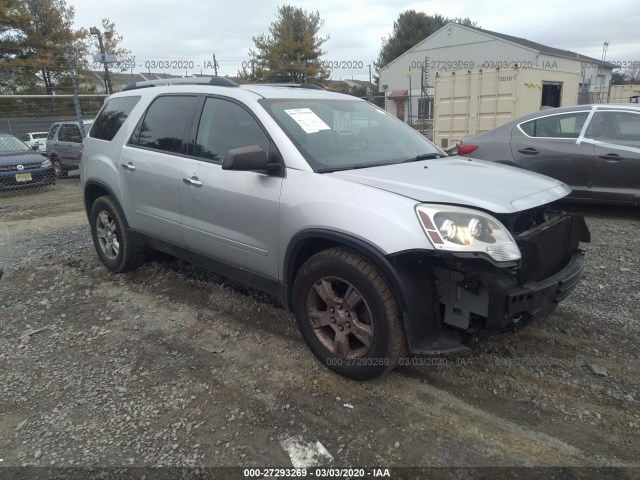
(546, 248)
(14, 168)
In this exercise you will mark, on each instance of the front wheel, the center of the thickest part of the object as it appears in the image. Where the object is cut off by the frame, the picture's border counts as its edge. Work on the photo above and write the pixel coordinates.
(58, 169)
(111, 239)
(347, 314)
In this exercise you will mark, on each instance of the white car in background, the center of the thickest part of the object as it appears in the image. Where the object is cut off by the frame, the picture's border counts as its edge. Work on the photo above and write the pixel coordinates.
(36, 138)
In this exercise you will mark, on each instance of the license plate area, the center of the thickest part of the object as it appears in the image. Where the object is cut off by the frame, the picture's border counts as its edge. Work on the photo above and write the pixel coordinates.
(23, 177)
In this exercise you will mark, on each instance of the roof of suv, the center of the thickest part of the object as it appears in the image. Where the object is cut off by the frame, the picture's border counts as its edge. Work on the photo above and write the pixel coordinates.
(223, 84)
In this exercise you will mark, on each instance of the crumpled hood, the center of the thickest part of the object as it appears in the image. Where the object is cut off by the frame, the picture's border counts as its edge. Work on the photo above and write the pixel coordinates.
(461, 181)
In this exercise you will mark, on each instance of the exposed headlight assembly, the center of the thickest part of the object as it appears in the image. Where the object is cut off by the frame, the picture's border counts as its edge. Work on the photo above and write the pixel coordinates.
(461, 229)
(46, 163)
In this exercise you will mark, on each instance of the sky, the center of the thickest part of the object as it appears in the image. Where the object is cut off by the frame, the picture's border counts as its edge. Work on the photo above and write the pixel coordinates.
(191, 31)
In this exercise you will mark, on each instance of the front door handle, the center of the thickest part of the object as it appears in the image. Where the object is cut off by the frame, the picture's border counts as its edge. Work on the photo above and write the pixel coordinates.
(192, 181)
(528, 151)
(611, 157)
(129, 166)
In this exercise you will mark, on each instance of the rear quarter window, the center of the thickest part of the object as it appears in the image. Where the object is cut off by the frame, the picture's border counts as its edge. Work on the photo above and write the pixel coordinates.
(112, 116)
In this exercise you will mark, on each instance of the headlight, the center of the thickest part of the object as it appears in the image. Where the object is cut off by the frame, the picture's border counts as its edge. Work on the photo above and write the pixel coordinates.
(461, 229)
(46, 163)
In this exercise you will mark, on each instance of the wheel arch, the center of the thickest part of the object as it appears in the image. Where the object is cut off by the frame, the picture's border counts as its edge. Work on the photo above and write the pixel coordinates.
(409, 273)
(309, 242)
(95, 189)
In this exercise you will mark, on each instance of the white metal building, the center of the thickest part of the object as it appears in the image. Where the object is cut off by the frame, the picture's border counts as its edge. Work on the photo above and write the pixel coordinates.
(458, 47)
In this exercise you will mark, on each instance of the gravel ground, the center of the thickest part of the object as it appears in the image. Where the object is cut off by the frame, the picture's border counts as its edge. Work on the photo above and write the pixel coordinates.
(173, 366)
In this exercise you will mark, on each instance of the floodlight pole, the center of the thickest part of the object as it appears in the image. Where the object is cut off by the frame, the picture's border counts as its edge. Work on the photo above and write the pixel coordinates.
(76, 100)
(98, 33)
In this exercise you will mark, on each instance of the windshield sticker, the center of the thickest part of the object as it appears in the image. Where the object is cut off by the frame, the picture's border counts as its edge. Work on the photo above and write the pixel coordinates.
(308, 121)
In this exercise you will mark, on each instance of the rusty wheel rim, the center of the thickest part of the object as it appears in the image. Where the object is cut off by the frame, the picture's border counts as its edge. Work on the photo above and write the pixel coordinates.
(340, 317)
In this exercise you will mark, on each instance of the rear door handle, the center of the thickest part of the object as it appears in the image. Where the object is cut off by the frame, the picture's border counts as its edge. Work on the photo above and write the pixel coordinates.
(192, 181)
(611, 157)
(528, 151)
(129, 166)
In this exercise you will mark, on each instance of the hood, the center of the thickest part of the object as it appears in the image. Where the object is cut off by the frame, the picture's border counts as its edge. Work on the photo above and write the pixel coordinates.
(462, 181)
(21, 158)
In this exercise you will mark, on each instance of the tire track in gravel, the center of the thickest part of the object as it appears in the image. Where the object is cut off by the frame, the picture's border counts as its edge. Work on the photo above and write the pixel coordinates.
(204, 352)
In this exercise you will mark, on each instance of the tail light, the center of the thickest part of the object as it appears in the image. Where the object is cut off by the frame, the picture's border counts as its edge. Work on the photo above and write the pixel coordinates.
(466, 149)
(80, 157)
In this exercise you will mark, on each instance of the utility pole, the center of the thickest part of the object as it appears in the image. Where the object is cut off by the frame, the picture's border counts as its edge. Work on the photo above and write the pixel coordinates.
(74, 85)
(369, 86)
(410, 112)
(98, 33)
(215, 65)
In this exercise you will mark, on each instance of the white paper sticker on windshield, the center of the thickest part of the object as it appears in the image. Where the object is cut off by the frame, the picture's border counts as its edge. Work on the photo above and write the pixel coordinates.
(308, 121)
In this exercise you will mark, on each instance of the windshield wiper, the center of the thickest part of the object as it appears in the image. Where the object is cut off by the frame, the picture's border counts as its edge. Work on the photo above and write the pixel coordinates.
(424, 156)
(352, 167)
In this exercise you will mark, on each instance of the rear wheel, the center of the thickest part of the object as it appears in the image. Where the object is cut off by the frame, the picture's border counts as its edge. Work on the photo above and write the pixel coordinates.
(347, 314)
(111, 239)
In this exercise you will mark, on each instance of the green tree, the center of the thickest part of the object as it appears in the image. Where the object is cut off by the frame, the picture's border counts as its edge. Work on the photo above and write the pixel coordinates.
(14, 18)
(37, 39)
(409, 29)
(630, 76)
(292, 48)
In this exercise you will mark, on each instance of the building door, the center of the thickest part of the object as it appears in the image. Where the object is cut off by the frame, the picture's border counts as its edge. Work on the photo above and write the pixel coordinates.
(400, 109)
(551, 94)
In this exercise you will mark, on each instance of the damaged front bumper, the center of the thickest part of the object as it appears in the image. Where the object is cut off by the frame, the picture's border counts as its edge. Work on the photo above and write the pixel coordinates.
(475, 297)
(484, 299)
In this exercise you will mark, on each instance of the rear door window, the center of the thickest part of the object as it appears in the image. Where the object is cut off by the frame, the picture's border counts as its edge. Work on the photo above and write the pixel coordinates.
(165, 123)
(567, 125)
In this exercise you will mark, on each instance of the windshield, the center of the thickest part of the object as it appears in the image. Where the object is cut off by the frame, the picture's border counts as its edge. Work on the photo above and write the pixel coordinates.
(11, 144)
(344, 134)
(37, 136)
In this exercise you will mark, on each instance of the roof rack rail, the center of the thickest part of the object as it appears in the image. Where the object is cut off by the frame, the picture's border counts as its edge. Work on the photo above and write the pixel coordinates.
(310, 86)
(218, 81)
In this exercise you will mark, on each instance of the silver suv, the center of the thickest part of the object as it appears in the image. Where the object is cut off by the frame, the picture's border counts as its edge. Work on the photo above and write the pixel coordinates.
(64, 146)
(378, 242)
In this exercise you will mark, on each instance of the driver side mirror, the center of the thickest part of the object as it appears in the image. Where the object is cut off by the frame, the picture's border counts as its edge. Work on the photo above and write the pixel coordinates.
(252, 158)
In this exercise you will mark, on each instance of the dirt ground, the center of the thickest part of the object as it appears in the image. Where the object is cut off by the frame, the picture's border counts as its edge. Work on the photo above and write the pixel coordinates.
(171, 365)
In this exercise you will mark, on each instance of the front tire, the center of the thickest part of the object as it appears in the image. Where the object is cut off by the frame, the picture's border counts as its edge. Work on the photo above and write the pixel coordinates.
(111, 239)
(348, 315)
(58, 169)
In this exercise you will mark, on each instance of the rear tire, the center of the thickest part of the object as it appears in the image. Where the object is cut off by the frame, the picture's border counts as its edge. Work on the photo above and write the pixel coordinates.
(111, 239)
(347, 314)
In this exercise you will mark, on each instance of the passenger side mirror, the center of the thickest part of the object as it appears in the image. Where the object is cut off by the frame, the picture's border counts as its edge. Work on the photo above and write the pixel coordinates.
(252, 158)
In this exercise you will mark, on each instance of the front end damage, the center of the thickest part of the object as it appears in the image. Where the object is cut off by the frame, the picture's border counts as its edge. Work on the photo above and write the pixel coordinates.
(475, 296)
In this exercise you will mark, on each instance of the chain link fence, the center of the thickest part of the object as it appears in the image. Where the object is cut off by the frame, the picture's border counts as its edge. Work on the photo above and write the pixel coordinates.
(38, 140)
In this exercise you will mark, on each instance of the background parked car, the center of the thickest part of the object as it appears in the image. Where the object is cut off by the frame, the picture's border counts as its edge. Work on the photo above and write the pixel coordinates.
(36, 138)
(595, 149)
(20, 166)
(64, 146)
